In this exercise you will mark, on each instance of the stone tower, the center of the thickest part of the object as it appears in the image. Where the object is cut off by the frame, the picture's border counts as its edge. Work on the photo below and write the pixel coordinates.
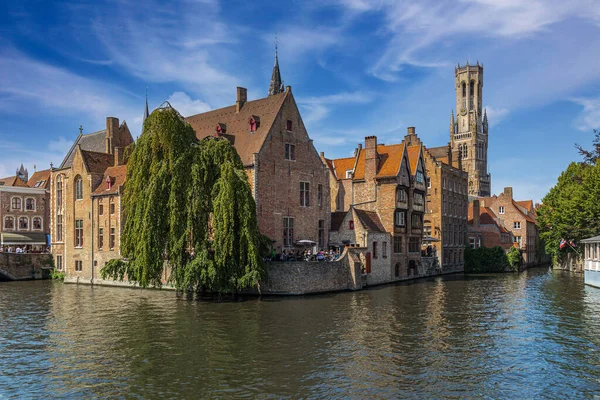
(469, 131)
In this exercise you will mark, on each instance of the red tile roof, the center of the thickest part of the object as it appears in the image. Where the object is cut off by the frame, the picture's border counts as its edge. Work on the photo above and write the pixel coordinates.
(413, 157)
(13, 181)
(390, 159)
(526, 204)
(486, 217)
(370, 220)
(237, 128)
(40, 179)
(117, 175)
(341, 165)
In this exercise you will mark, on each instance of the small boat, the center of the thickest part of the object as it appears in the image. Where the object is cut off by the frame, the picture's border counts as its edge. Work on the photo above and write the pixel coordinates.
(591, 266)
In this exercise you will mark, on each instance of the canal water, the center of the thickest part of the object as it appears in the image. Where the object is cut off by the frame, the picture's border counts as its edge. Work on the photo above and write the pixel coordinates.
(533, 335)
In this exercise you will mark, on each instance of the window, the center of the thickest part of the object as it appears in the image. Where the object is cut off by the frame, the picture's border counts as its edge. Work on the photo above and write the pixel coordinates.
(304, 194)
(59, 263)
(112, 206)
(100, 209)
(501, 210)
(384, 249)
(321, 233)
(288, 125)
(37, 223)
(518, 240)
(400, 218)
(78, 265)
(290, 152)
(78, 188)
(420, 176)
(111, 243)
(288, 231)
(59, 192)
(30, 204)
(351, 225)
(418, 199)
(79, 233)
(23, 223)
(401, 196)
(349, 174)
(464, 89)
(100, 238)
(397, 244)
(374, 249)
(517, 225)
(413, 245)
(9, 223)
(16, 203)
(428, 183)
(416, 221)
(320, 195)
(59, 228)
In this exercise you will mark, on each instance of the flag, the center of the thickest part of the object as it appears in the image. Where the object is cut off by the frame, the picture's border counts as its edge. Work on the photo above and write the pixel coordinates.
(562, 244)
(572, 243)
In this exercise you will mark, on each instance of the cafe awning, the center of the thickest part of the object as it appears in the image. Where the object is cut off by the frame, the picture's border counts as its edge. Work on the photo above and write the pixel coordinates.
(22, 238)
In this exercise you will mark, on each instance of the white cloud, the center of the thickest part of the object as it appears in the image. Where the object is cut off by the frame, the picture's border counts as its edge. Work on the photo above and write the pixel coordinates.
(589, 118)
(317, 108)
(186, 105)
(495, 115)
(15, 153)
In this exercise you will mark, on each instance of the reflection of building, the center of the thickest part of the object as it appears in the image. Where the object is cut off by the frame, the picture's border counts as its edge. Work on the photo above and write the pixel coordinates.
(520, 218)
(24, 210)
(86, 195)
(485, 228)
(379, 199)
(289, 181)
(447, 202)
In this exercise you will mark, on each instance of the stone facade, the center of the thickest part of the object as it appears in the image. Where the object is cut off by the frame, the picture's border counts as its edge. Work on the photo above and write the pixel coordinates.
(76, 218)
(446, 210)
(520, 219)
(16, 267)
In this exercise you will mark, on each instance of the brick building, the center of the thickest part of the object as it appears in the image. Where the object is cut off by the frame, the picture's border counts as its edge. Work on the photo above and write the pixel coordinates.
(289, 182)
(520, 219)
(24, 211)
(379, 201)
(447, 203)
(485, 228)
(85, 196)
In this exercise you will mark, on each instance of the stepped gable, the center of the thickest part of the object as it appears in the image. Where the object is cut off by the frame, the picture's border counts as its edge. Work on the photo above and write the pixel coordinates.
(40, 179)
(117, 176)
(236, 124)
(370, 220)
(95, 142)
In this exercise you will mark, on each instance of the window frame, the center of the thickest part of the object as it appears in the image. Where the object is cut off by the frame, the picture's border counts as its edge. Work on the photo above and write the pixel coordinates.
(33, 204)
(398, 244)
(6, 218)
(78, 233)
(290, 152)
(26, 219)
(16, 200)
(112, 239)
(304, 194)
(396, 222)
(78, 187)
(288, 231)
(100, 238)
(33, 228)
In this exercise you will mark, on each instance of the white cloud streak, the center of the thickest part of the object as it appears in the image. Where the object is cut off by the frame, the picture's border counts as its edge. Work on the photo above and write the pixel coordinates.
(589, 118)
(186, 105)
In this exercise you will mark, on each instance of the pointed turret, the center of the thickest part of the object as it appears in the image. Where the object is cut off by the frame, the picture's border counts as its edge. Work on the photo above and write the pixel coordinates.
(452, 123)
(485, 121)
(146, 113)
(276, 84)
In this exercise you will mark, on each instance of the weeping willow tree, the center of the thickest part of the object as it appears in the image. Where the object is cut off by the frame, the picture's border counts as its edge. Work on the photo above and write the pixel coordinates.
(188, 203)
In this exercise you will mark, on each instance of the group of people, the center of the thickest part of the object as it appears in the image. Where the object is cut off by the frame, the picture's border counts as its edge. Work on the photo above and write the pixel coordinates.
(305, 255)
(429, 251)
(22, 249)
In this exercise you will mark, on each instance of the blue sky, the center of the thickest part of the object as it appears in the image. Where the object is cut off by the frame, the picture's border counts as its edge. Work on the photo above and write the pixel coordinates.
(357, 68)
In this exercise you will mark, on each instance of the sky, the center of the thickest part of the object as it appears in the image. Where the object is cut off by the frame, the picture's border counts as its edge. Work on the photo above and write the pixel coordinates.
(357, 68)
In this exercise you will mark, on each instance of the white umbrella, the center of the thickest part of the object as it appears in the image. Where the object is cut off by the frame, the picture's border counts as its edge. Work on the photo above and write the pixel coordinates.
(305, 242)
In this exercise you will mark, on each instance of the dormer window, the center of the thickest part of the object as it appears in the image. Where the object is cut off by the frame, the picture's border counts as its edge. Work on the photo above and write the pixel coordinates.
(254, 122)
(351, 225)
(349, 174)
(220, 128)
(108, 183)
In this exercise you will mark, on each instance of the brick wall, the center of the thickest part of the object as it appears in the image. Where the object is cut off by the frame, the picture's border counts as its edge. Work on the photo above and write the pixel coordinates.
(23, 266)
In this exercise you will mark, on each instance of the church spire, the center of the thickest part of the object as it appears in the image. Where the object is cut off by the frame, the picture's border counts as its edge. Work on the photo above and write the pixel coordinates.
(452, 132)
(485, 121)
(276, 84)
(146, 113)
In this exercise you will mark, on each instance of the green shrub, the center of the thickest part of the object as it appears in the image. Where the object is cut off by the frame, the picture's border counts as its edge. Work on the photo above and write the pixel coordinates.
(485, 259)
(56, 274)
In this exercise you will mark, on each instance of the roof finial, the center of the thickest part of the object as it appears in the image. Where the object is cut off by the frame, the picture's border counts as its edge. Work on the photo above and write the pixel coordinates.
(146, 113)
(276, 85)
(81, 129)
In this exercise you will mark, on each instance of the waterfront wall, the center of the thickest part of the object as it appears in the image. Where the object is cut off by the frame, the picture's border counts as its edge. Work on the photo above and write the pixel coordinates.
(18, 266)
(569, 262)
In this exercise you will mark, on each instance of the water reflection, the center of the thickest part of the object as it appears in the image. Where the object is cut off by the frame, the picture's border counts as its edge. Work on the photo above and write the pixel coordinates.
(498, 336)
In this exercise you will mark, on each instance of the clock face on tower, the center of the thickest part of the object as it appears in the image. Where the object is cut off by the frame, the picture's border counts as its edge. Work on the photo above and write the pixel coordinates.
(463, 111)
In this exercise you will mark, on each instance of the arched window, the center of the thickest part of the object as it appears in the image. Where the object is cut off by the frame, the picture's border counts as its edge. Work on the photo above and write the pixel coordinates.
(59, 192)
(472, 88)
(16, 203)
(9, 223)
(37, 223)
(30, 204)
(23, 223)
(78, 188)
(465, 151)
(464, 89)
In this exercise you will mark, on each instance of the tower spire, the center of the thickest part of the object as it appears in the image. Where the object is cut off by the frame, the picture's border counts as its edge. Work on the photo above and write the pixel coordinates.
(146, 113)
(452, 132)
(276, 85)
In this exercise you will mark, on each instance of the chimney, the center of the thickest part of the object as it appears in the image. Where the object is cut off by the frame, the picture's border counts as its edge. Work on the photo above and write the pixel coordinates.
(118, 156)
(476, 213)
(242, 97)
(508, 192)
(411, 130)
(370, 158)
(112, 127)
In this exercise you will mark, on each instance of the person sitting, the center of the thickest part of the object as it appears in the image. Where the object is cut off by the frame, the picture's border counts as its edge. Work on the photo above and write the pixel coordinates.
(321, 255)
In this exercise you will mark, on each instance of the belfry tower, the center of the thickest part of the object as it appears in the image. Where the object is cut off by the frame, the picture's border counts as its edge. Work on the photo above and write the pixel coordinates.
(469, 131)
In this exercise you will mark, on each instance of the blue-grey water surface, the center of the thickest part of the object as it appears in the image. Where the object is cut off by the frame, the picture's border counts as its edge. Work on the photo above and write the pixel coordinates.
(533, 335)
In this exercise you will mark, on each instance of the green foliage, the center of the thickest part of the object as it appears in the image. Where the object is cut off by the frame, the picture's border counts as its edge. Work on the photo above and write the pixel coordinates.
(56, 274)
(485, 259)
(187, 202)
(570, 210)
(514, 258)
